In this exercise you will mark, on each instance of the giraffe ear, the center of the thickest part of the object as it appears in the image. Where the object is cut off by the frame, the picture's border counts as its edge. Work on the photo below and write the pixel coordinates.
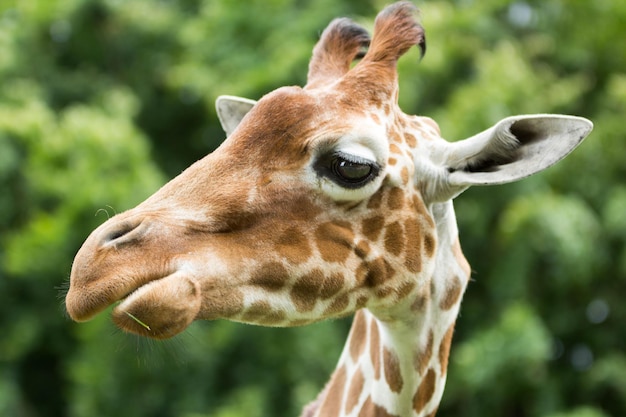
(514, 148)
(231, 110)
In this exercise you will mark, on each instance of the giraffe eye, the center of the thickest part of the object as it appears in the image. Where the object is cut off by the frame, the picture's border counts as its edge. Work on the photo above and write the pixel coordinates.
(349, 171)
(346, 170)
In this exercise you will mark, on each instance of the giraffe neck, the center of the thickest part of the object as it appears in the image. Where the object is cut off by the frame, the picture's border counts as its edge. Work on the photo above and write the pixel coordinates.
(397, 367)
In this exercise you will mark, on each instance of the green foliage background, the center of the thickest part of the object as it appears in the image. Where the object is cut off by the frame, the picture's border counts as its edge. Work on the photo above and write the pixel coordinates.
(101, 101)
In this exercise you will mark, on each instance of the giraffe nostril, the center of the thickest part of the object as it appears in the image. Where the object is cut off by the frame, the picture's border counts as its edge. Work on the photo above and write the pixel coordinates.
(122, 233)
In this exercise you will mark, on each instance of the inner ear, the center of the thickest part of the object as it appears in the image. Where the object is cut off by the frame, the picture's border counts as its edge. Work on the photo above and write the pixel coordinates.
(231, 110)
(507, 146)
(515, 148)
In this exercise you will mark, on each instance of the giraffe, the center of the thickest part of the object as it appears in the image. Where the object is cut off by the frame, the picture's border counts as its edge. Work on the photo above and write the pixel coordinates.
(322, 202)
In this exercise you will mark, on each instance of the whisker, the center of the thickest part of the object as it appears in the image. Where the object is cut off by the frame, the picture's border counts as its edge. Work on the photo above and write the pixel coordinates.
(62, 291)
(102, 210)
(106, 210)
(150, 352)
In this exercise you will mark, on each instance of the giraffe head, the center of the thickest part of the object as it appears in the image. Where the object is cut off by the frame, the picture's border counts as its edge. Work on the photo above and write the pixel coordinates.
(322, 200)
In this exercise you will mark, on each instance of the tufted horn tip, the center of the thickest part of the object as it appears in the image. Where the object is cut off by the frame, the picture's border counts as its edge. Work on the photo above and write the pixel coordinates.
(342, 42)
(396, 30)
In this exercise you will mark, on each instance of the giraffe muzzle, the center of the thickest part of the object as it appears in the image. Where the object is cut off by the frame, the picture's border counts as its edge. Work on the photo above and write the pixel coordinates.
(109, 268)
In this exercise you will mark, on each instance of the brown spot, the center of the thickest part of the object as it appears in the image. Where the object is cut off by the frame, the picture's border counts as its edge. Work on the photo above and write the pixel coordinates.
(395, 149)
(271, 276)
(354, 392)
(393, 135)
(452, 294)
(460, 258)
(261, 312)
(444, 349)
(314, 286)
(425, 391)
(392, 161)
(293, 245)
(256, 311)
(376, 200)
(419, 304)
(273, 318)
(332, 402)
(300, 322)
(394, 239)
(404, 174)
(374, 273)
(420, 208)
(415, 123)
(375, 118)
(432, 124)
(304, 293)
(393, 375)
(413, 260)
(405, 289)
(334, 241)
(332, 285)
(362, 249)
(372, 226)
(395, 200)
(384, 292)
(375, 348)
(422, 358)
(430, 245)
(358, 335)
(361, 301)
(338, 306)
(410, 140)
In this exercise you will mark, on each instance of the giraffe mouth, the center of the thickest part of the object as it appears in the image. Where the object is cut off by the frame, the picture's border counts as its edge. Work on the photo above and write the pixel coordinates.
(161, 308)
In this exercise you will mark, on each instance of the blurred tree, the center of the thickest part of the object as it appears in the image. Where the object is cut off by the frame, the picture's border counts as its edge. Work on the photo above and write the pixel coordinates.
(102, 100)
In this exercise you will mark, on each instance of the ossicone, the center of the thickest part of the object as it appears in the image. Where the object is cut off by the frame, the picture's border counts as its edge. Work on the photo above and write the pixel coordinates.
(342, 42)
(396, 30)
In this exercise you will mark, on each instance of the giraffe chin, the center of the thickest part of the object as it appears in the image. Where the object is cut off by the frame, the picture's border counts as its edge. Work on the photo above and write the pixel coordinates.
(160, 309)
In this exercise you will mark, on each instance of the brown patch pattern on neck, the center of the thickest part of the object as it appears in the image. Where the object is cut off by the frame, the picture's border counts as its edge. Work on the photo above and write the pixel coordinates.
(332, 403)
(375, 348)
(358, 335)
(393, 374)
(452, 294)
(354, 392)
(422, 359)
(425, 391)
(444, 349)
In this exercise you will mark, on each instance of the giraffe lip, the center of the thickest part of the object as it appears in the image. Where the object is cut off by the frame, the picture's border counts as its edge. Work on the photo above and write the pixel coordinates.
(160, 308)
(130, 293)
(83, 303)
(141, 282)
